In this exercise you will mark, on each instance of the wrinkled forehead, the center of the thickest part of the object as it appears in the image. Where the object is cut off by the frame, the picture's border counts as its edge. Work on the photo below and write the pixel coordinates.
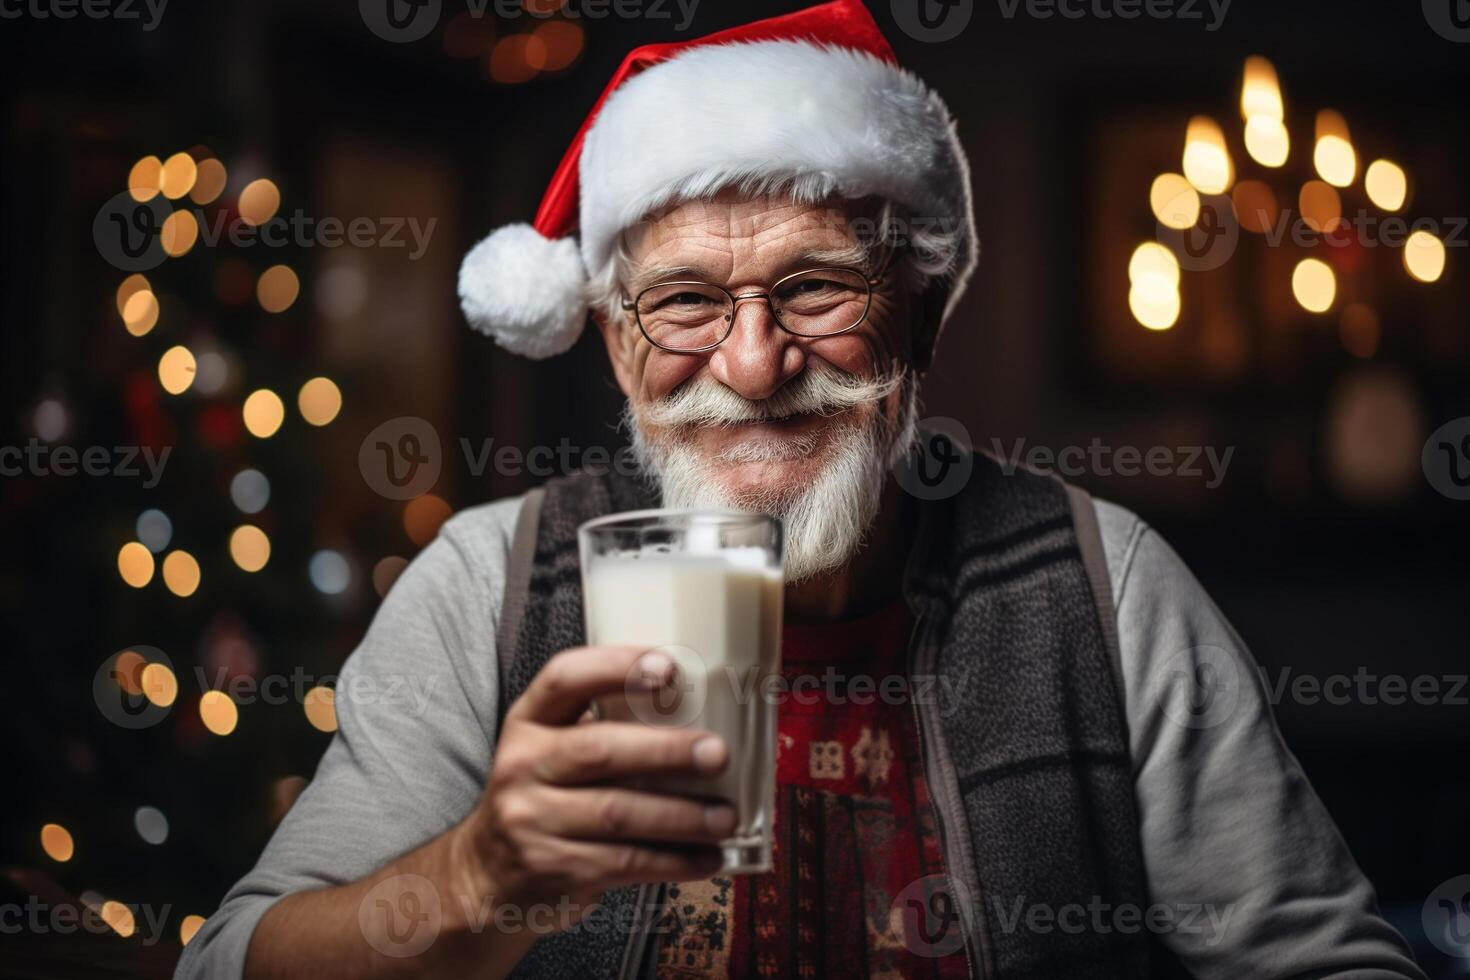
(734, 232)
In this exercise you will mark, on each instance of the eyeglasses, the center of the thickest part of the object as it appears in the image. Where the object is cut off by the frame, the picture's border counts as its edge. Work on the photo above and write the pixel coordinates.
(693, 317)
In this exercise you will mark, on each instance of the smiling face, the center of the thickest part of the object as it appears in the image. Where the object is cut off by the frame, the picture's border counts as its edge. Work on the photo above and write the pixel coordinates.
(802, 427)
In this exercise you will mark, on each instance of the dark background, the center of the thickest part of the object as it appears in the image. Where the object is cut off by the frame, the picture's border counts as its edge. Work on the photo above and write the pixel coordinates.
(1325, 544)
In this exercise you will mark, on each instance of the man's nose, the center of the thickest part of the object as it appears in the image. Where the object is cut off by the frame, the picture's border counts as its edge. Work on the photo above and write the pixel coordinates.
(758, 357)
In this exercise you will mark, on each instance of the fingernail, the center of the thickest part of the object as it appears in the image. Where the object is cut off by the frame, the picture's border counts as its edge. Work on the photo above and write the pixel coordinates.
(654, 670)
(719, 819)
(709, 753)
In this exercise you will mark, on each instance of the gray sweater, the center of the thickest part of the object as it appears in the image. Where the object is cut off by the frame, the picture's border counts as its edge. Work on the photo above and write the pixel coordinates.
(1242, 860)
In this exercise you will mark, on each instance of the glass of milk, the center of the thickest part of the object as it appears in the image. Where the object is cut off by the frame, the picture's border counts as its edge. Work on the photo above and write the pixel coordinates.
(703, 587)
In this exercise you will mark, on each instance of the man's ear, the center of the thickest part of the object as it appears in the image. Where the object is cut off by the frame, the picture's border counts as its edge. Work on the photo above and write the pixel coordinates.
(928, 313)
(619, 344)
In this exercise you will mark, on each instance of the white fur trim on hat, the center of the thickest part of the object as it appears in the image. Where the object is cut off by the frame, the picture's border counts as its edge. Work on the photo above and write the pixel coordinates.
(526, 291)
(770, 115)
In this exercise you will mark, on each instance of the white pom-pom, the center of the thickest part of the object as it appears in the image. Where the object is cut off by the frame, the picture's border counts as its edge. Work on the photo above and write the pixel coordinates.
(526, 291)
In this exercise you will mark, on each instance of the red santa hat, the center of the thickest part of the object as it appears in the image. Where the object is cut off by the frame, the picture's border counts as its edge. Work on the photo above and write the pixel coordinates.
(812, 103)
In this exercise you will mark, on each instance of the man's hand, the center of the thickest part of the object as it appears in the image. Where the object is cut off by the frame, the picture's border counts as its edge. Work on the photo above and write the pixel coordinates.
(552, 827)
(554, 823)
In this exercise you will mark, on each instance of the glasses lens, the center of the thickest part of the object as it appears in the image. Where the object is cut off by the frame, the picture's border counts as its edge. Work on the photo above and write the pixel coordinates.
(822, 301)
(684, 315)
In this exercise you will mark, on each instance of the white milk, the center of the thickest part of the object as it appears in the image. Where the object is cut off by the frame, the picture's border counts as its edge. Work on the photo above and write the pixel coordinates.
(718, 616)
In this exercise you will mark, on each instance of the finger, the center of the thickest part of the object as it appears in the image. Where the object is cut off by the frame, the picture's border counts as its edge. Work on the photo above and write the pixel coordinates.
(572, 678)
(612, 865)
(613, 750)
(614, 814)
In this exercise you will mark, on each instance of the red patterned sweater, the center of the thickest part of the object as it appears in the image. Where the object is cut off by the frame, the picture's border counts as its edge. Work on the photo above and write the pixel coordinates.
(858, 859)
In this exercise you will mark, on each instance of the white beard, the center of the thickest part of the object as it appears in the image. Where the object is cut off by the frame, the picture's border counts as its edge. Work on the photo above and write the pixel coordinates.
(825, 522)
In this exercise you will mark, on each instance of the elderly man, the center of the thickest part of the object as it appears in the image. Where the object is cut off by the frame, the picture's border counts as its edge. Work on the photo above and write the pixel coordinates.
(771, 226)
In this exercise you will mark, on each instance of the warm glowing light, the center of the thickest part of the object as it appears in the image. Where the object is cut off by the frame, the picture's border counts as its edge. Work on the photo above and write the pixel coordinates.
(1314, 285)
(1174, 201)
(319, 401)
(263, 413)
(189, 927)
(320, 705)
(119, 917)
(1206, 160)
(128, 669)
(179, 173)
(128, 288)
(179, 233)
(218, 712)
(210, 182)
(563, 42)
(517, 58)
(140, 312)
(386, 572)
(1260, 91)
(135, 564)
(277, 289)
(176, 370)
(1267, 141)
(1320, 206)
(144, 178)
(422, 517)
(181, 573)
(1151, 258)
(1154, 302)
(1254, 205)
(1333, 156)
(1386, 184)
(57, 843)
(1424, 256)
(160, 686)
(250, 548)
(259, 201)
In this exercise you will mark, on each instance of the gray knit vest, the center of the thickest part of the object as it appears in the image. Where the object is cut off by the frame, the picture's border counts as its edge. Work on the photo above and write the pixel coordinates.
(1030, 773)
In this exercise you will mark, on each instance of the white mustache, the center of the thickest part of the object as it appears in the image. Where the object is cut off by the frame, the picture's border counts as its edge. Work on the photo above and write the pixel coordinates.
(818, 390)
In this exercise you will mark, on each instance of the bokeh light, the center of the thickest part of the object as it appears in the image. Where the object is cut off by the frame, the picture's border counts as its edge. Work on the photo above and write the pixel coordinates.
(320, 705)
(250, 548)
(135, 564)
(259, 202)
(386, 572)
(1387, 184)
(263, 412)
(159, 684)
(180, 232)
(218, 712)
(329, 572)
(176, 370)
(1333, 156)
(1206, 160)
(135, 283)
(277, 289)
(57, 843)
(179, 174)
(151, 824)
(319, 401)
(1314, 285)
(1320, 206)
(181, 573)
(189, 927)
(144, 178)
(140, 312)
(119, 918)
(1174, 201)
(250, 491)
(210, 182)
(154, 529)
(422, 517)
(1267, 141)
(1424, 256)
